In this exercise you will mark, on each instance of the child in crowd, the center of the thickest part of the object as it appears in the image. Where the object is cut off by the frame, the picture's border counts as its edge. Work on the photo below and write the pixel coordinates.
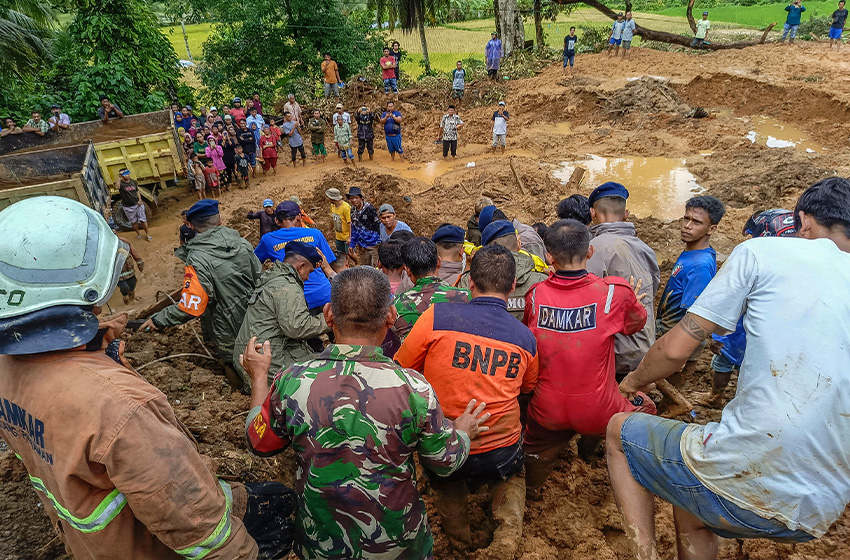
(242, 165)
(186, 231)
(198, 176)
(277, 133)
(211, 176)
(268, 149)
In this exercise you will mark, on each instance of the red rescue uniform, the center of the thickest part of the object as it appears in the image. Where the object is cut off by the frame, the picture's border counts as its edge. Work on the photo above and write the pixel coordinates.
(574, 317)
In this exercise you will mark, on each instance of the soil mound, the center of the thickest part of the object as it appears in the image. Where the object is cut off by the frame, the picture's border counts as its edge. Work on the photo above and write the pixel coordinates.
(646, 95)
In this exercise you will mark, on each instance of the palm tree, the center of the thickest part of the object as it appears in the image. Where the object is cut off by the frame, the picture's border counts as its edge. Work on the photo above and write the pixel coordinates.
(410, 14)
(25, 26)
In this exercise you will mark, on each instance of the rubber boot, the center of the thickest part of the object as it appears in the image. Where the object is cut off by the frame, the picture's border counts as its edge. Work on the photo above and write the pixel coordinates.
(537, 469)
(508, 510)
(454, 512)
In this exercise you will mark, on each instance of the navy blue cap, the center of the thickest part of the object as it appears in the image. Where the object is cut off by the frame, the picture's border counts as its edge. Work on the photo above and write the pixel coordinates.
(485, 217)
(307, 251)
(497, 229)
(608, 189)
(287, 209)
(202, 209)
(354, 191)
(448, 234)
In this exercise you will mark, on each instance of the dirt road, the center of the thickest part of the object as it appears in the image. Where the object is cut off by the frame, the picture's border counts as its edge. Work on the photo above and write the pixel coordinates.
(605, 119)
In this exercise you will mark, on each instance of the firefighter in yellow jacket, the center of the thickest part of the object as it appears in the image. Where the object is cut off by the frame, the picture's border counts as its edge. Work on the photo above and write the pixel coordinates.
(119, 475)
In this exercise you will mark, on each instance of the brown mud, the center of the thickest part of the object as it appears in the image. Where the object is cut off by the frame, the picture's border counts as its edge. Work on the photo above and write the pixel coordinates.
(553, 120)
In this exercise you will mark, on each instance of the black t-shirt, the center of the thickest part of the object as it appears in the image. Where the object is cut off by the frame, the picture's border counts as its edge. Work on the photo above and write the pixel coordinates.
(570, 44)
(247, 141)
(186, 233)
(129, 192)
(839, 18)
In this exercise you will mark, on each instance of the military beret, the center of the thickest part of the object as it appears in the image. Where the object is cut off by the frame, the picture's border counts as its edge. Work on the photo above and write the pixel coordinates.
(202, 209)
(497, 229)
(307, 251)
(608, 189)
(448, 234)
(485, 217)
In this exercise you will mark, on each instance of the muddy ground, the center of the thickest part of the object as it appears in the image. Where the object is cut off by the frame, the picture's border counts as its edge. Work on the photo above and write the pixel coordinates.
(602, 111)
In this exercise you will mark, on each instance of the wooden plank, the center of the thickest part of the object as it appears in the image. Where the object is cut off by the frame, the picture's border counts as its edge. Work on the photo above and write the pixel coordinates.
(160, 305)
(575, 179)
(516, 176)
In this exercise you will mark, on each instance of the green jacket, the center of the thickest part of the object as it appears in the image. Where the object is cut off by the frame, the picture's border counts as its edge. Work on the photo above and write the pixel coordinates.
(277, 312)
(227, 270)
(526, 277)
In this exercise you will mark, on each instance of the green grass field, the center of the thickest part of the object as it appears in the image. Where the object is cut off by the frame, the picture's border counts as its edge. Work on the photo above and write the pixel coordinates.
(197, 35)
(756, 16)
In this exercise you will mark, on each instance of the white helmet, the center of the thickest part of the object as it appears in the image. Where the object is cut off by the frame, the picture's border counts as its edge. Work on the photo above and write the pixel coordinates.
(55, 254)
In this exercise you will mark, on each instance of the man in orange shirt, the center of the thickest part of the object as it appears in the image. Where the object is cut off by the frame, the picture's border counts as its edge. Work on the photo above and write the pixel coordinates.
(332, 79)
(478, 349)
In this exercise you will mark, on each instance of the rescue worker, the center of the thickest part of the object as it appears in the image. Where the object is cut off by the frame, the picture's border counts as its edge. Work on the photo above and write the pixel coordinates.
(449, 242)
(617, 251)
(421, 263)
(479, 349)
(502, 232)
(355, 419)
(277, 311)
(118, 474)
(221, 271)
(531, 241)
(574, 315)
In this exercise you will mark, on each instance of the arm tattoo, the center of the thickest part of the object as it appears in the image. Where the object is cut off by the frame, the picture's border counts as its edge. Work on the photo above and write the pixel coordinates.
(693, 329)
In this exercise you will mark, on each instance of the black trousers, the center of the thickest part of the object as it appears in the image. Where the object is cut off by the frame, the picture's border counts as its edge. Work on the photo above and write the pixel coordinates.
(492, 74)
(365, 145)
(296, 150)
(447, 144)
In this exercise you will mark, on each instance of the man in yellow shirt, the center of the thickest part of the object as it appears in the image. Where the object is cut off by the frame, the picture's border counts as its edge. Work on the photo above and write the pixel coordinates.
(341, 213)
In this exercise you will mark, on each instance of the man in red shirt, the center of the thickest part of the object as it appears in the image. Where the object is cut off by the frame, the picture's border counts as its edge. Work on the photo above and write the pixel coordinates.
(478, 349)
(575, 316)
(389, 64)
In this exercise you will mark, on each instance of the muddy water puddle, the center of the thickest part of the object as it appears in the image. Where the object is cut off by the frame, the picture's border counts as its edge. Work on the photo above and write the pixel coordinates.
(658, 186)
(776, 134)
(429, 172)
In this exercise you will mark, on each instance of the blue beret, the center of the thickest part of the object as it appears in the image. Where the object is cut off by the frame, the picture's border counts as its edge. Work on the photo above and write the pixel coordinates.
(485, 217)
(608, 189)
(202, 209)
(307, 251)
(287, 209)
(497, 229)
(448, 234)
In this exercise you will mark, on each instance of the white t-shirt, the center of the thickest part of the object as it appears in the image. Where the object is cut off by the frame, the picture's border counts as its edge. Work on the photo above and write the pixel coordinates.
(500, 124)
(782, 446)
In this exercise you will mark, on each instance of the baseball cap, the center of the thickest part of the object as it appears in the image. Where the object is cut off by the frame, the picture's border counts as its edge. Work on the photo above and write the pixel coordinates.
(55, 106)
(386, 208)
(202, 209)
(354, 191)
(213, 108)
(771, 223)
(268, 203)
(307, 251)
(448, 234)
(333, 194)
(499, 228)
(619, 14)
(485, 217)
(339, 105)
(295, 199)
(705, 13)
(501, 102)
(287, 209)
(608, 189)
(237, 100)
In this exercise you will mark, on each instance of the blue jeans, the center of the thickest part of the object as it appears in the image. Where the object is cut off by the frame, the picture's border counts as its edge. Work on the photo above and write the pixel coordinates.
(391, 84)
(788, 27)
(346, 154)
(652, 448)
(722, 364)
(569, 58)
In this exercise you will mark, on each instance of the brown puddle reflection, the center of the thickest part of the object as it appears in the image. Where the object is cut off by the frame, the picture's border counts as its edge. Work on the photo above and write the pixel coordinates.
(776, 134)
(658, 186)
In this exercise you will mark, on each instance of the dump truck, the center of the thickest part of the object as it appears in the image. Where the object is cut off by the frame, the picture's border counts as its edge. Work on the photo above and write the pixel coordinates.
(71, 171)
(147, 144)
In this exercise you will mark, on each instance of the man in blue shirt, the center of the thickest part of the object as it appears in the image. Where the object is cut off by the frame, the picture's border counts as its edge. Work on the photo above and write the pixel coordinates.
(391, 119)
(729, 349)
(317, 288)
(695, 267)
(616, 35)
(792, 22)
(629, 27)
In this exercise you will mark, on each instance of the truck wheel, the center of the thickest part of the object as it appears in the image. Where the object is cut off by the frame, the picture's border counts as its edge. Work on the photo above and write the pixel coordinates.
(121, 218)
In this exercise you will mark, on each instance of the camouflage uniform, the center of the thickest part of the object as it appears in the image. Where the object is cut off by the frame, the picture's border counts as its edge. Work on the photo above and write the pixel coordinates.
(411, 304)
(355, 419)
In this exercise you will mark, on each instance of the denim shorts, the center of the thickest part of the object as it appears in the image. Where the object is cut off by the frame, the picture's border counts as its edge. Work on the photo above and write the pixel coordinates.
(722, 364)
(569, 58)
(490, 466)
(651, 446)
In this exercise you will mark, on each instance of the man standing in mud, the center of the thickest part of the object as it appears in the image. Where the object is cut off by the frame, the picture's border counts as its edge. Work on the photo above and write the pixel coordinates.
(221, 270)
(774, 466)
(355, 420)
